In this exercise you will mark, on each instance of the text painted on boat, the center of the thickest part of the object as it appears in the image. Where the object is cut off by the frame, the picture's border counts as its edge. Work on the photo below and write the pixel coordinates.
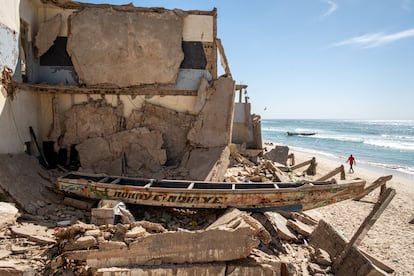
(168, 198)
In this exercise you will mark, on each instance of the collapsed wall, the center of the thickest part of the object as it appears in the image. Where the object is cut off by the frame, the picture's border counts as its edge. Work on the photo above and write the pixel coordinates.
(124, 90)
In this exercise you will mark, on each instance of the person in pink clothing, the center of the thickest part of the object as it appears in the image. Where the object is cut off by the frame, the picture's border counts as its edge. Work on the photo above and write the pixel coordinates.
(351, 161)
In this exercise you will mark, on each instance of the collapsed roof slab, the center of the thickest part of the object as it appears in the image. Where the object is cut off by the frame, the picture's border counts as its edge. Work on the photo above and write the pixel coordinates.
(102, 54)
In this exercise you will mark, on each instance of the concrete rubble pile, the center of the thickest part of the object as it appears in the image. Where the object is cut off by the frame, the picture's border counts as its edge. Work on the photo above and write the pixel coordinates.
(235, 244)
(171, 241)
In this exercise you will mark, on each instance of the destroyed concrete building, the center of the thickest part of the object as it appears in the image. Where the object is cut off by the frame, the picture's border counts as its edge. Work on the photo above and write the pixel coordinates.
(117, 89)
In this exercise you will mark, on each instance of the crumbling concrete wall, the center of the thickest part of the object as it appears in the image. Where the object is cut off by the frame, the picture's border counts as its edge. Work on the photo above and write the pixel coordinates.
(138, 150)
(92, 119)
(214, 123)
(144, 48)
(17, 110)
(163, 63)
(173, 125)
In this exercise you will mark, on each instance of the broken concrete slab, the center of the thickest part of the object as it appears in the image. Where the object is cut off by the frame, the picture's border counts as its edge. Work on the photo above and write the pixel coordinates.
(148, 52)
(212, 127)
(234, 217)
(16, 171)
(231, 237)
(47, 34)
(206, 164)
(257, 263)
(181, 247)
(8, 214)
(280, 225)
(35, 233)
(278, 154)
(16, 268)
(355, 263)
(217, 269)
(300, 227)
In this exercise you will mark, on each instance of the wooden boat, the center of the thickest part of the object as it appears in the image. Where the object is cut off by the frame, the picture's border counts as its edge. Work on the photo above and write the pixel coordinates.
(196, 194)
(300, 133)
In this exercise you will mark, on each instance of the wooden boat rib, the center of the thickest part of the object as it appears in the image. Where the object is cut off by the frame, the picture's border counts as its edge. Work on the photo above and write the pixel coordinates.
(196, 194)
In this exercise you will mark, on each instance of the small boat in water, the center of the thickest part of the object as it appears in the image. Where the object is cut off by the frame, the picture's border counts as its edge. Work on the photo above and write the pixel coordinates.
(300, 133)
(257, 196)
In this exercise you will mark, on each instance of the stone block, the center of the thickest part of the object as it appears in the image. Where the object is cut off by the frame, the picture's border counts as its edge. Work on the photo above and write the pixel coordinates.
(278, 154)
(101, 216)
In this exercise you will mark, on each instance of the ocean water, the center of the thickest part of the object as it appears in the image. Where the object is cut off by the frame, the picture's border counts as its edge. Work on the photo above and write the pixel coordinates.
(386, 144)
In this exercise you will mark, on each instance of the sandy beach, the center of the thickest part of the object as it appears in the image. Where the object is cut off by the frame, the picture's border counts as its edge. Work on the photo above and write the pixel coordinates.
(391, 238)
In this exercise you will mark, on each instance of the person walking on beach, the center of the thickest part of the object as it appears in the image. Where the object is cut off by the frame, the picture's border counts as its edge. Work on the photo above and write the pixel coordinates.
(351, 161)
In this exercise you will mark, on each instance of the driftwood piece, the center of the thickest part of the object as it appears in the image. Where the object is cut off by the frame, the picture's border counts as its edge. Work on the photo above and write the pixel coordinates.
(340, 170)
(377, 183)
(367, 224)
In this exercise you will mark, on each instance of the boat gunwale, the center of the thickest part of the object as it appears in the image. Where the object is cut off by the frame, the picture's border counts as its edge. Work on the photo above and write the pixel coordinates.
(307, 186)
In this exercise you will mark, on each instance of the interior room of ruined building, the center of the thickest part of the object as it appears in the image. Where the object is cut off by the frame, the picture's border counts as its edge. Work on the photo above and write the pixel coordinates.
(119, 90)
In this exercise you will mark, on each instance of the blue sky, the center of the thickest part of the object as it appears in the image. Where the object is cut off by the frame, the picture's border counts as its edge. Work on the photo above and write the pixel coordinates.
(333, 59)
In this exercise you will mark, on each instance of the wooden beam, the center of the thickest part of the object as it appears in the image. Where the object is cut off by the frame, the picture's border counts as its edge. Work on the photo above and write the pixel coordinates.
(292, 159)
(301, 164)
(340, 169)
(133, 90)
(223, 58)
(367, 224)
(276, 171)
(377, 183)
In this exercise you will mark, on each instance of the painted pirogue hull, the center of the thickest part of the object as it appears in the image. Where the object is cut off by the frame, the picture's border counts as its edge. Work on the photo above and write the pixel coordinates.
(194, 194)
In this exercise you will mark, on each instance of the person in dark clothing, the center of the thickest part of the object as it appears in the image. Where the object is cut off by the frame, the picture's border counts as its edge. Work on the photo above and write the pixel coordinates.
(351, 161)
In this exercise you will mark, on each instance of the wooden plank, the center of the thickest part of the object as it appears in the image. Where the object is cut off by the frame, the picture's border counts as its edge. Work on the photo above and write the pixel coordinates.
(223, 58)
(340, 169)
(276, 171)
(33, 135)
(377, 183)
(302, 164)
(367, 224)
